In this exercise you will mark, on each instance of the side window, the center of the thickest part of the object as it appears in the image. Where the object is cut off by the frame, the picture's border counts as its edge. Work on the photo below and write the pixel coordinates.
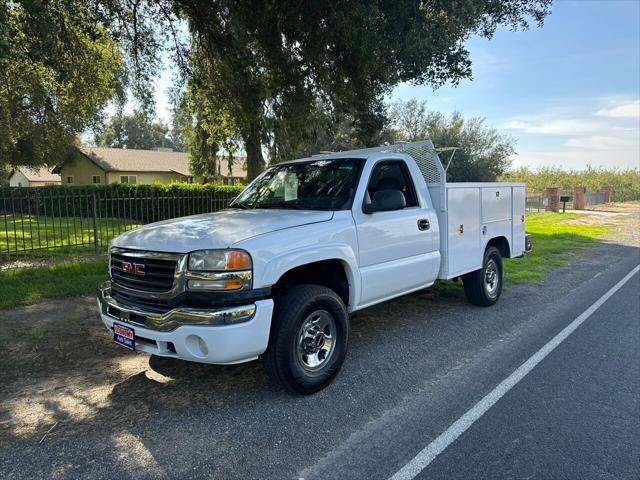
(393, 175)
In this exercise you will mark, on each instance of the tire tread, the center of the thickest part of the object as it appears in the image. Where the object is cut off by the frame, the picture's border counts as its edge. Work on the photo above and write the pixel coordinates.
(285, 315)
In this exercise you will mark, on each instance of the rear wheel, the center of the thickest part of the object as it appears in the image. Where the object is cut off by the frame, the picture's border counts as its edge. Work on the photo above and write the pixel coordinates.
(483, 287)
(308, 339)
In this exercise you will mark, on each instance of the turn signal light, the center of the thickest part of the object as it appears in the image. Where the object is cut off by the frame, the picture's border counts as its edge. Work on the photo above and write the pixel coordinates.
(238, 260)
(234, 284)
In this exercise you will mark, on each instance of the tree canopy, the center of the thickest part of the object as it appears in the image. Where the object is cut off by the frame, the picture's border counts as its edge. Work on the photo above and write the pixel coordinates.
(58, 67)
(482, 153)
(136, 130)
(260, 76)
(61, 63)
(262, 67)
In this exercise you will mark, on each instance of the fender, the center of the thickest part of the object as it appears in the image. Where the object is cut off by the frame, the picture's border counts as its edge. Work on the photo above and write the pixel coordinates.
(291, 259)
(505, 238)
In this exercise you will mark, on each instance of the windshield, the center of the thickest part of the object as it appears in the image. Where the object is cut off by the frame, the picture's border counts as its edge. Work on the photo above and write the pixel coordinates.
(313, 185)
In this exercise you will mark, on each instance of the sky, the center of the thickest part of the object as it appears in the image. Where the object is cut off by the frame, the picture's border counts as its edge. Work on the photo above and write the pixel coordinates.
(569, 92)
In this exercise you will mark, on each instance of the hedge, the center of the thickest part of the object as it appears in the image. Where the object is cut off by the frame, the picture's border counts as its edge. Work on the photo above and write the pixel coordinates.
(139, 203)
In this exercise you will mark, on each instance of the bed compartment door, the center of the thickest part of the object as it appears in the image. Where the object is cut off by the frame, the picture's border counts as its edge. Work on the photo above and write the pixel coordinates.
(463, 230)
(518, 221)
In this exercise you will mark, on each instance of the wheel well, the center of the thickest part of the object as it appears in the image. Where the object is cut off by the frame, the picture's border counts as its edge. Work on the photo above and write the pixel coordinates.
(502, 244)
(328, 273)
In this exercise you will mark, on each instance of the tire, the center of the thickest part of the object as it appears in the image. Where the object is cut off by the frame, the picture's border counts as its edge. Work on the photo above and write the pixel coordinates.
(483, 287)
(308, 340)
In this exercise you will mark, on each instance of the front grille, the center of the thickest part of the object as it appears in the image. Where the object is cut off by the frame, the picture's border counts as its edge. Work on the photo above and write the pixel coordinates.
(158, 273)
(148, 305)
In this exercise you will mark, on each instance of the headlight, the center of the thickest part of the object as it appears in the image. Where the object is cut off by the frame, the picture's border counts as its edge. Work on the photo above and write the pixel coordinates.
(219, 270)
(219, 260)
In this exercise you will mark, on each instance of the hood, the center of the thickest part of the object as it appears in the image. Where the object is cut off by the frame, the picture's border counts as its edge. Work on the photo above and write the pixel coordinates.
(214, 230)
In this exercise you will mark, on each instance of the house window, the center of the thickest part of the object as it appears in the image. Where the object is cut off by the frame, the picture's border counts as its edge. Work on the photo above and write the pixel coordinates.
(186, 179)
(96, 179)
(19, 184)
(69, 179)
(128, 179)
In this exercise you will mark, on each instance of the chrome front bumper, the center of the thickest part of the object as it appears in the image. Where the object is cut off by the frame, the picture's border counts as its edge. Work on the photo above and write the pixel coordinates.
(165, 322)
(220, 336)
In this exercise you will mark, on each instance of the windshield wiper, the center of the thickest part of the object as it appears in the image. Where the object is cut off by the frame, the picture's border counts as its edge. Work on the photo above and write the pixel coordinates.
(240, 205)
(285, 205)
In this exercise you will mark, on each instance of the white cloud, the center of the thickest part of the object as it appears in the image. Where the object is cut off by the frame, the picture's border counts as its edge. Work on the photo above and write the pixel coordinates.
(623, 110)
(554, 127)
(570, 139)
(622, 138)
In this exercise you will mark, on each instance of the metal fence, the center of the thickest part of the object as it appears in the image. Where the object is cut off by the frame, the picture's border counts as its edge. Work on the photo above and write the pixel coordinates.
(535, 201)
(595, 198)
(45, 222)
(538, 201)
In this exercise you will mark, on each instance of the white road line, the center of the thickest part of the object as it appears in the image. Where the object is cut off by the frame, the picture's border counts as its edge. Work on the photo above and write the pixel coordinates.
(446, 438)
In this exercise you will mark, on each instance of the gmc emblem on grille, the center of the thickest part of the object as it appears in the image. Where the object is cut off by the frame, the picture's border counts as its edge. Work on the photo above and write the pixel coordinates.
(133, 268)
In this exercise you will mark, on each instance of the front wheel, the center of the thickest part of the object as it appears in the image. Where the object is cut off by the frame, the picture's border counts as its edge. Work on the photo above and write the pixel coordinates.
(483, 287)
(308, 340)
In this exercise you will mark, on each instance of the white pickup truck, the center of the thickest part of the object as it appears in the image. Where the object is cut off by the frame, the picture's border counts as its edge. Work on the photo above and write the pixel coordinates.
(277, 274)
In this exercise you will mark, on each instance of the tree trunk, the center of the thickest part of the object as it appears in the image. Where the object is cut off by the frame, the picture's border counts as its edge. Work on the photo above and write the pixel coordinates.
(253, 146)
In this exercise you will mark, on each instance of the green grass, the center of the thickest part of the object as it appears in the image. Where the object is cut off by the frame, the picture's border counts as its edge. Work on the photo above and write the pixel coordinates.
(31, 285)
(66, 235)
(555, 243)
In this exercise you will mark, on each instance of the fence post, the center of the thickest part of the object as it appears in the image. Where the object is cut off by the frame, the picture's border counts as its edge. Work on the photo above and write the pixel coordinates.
(553, 196)
(606, 194)
(95, 222)
(578, 198)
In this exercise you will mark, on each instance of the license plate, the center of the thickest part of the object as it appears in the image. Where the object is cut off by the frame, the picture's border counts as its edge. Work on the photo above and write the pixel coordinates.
(124, 336)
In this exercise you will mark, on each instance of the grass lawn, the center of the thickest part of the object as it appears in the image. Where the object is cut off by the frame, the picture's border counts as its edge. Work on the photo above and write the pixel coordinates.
(30, 285)
(20, 234)
(554, 244)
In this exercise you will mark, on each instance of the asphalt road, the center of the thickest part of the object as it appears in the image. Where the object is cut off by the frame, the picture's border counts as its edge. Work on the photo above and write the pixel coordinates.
(415, 366)
(575, 415)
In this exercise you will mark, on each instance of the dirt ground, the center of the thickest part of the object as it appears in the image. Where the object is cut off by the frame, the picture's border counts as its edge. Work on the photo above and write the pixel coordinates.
(624, 218)
(59, 368)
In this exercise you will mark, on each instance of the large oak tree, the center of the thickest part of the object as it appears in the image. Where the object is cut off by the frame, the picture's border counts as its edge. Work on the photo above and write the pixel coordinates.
(263, 64)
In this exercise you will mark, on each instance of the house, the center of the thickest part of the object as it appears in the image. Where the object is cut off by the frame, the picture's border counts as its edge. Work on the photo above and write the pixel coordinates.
(117, 165)
(30, 177)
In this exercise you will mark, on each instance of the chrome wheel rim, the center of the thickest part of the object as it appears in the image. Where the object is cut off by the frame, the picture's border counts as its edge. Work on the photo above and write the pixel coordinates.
(316, 340)
(491, 278)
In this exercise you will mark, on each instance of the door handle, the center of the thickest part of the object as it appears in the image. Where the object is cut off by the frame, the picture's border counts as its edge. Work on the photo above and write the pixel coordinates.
(423, 224)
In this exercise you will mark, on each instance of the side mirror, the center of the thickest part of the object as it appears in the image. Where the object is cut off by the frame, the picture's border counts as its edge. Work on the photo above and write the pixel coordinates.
(384, 201)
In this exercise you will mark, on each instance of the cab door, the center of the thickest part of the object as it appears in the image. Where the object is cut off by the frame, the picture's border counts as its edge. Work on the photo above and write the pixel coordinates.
(397, 249)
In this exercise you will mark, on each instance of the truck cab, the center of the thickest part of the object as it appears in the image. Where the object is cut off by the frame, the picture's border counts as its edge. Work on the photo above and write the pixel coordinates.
(309, 242)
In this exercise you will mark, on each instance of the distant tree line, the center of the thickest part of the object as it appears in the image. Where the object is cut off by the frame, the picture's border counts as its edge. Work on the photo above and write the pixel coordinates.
(624, 183)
